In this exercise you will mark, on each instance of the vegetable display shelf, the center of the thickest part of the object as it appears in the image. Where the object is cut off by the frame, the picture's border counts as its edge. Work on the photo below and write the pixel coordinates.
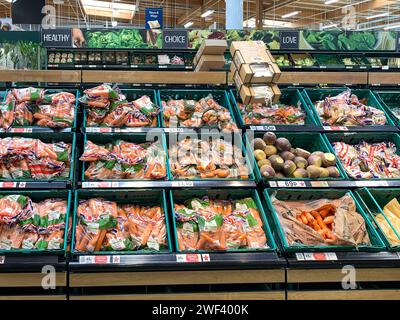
(289, 97)
(311, 96)
(43, 184)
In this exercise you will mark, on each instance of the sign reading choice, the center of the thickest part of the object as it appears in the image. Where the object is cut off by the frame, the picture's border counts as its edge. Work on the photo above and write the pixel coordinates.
(175, 39)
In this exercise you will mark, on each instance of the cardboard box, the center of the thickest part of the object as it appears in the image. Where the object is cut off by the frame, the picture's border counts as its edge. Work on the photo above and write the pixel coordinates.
(212, 46)
(208, 62)
(259, 73)
(250, 52)
(256, 93)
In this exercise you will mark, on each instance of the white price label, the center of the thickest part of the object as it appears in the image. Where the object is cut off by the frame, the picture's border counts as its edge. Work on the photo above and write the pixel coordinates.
(263, 128)
(300, 256)
(335, 128)
(2, 259)
(22, 185)
(99, 259)
(173, 130)
(97, 184)
(182, 183)
(162, 67)
(134, 66)
(320, 256)
(272, 184)
(363, 67)
(319, 184)
(322, 67)
(385, 67)
(100, 130)
(349, 67)
(291, 184)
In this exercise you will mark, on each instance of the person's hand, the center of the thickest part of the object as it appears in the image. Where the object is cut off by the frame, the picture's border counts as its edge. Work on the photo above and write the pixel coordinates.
(78, 38)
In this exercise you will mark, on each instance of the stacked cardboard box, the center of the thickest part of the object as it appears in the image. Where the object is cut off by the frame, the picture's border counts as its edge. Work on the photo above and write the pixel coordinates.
(210, 55)
(254, 72)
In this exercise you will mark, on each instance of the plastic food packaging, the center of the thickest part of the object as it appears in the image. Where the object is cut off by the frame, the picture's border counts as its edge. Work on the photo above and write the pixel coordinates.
(106, 106)
(207, 224)
(321, 222)
(107, 226)
(33, 159)
(31, 106)
(367, 161)
(216, 158)
(347, 110)
(124, 160)
(391, 215)
(30, 226)
(203, 113)
(259, 114)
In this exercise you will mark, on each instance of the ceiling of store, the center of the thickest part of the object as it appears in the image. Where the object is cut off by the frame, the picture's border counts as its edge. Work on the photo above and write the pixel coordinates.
(311, 13)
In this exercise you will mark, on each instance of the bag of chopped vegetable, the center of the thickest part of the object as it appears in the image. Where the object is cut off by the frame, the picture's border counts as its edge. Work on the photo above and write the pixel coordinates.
(210, 225)
(117, 240)
(59, 151)
(7, 112)
(390, 221)
(52, 241)
(23, 115)
(58, 97)
(12, 208)
(186, 227)
(96, 216)
(156, 167)
(146, 106)
(18, 168)
(52, 213)
(329, 222)
(252, 223)
(32, 95)
(11, 237)
(103, 91)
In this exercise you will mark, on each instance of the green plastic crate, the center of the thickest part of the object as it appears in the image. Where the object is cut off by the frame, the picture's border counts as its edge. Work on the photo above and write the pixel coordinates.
(131, 95)
(220, 96)
(149, 197)
(136, 138)
(37, 196)
(311, 96)
(354, 138)
(314, 194)
(235, 138)
(49, 137)
(290, 96)
(305, 140)
(180, 196)
(390, 100)
(373, 201)
(51, 91)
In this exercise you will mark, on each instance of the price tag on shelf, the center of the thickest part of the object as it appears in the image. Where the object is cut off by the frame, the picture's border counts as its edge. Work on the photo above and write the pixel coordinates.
(349, 67)
(291, 184)
(273, 184)
(101, 130)
(182, 184)
(8, 184)
(22, 185)
(300, 256)
(162, 67)
(320, 256)
(189, 258)
(92, 66)
(173, 130)
(98, 184)
(2, 259)
(99, 259)
(78, 66)
(363, 67)
(322, 67)
(263, 128)
(21, 130)
(319, 184)
(385, 67)
(335, 128)
(133, 66)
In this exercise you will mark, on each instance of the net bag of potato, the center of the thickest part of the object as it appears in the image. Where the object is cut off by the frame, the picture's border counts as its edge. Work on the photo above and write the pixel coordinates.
(322, 222)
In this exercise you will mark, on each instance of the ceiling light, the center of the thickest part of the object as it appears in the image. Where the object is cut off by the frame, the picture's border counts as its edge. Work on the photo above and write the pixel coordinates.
(355, 4)
(108, 9)
(378, 15)
(291, 14)
(207, 13)
(393, 26)
(331, 1)
(333, 25)
(188, 24)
